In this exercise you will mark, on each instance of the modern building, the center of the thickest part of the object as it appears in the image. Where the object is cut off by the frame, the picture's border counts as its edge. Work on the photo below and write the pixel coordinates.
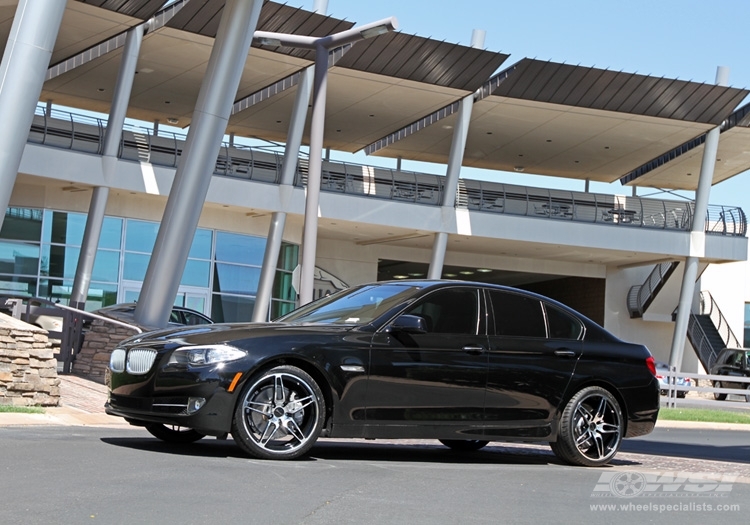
(206, 221)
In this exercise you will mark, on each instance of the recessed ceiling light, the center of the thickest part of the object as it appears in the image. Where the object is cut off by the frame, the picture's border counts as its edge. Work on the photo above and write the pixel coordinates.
(484, 270)
(466, 272)
(416, 274)
(449, 275)
(519, 168)
(400, 276)
(172, 120)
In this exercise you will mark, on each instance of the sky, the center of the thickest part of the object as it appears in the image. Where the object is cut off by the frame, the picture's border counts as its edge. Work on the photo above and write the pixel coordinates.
(682, 39)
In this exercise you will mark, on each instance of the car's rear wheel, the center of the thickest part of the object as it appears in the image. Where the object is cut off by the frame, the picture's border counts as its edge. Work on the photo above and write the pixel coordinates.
(280, 414)
(464, 445)
(591, 428)
(717, 396)
(174, 433)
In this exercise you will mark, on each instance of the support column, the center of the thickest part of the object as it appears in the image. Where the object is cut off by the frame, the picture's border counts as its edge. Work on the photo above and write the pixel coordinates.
(455, 159)
(278, 219)
(112, 136)
(697, 237)
(317, 127)
(24, 65)
(188, 194)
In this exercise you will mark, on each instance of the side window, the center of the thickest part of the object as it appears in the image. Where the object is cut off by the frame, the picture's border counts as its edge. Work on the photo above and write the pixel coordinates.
(450, 311)
(174, 317)
(561, 325)
(192, 319)
(517, 315)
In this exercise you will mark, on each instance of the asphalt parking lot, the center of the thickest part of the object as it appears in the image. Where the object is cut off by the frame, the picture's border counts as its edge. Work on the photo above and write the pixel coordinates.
(76, 464)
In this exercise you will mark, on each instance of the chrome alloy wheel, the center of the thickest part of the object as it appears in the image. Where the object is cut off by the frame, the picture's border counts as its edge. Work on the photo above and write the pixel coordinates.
(281, 414)
(597, 427)
(590, 428)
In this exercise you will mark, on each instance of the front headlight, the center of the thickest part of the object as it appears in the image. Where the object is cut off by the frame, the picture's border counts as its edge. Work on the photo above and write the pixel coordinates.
(206, 355)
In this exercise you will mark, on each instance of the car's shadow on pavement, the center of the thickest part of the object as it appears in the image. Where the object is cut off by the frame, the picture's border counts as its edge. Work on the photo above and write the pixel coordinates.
(732, 454)
(342, 450)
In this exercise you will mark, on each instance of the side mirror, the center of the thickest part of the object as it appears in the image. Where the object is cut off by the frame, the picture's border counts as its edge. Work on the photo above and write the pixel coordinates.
(408, 324)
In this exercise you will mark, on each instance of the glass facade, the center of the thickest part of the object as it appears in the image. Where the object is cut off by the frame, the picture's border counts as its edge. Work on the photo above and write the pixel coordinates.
(746, 342)
(39, 252)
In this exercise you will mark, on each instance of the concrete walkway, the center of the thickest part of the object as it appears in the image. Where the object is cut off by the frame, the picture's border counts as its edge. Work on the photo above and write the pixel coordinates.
(81, 404)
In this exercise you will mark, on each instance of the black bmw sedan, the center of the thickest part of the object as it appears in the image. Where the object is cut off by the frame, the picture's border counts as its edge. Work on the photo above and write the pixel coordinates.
(464, 363)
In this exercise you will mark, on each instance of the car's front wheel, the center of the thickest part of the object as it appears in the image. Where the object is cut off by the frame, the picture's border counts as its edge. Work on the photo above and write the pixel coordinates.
(464, 445)
(174, 433)
(591, 428)
(280, 414)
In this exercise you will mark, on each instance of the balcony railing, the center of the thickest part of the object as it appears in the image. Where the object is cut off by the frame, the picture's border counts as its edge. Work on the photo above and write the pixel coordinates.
(263, 164)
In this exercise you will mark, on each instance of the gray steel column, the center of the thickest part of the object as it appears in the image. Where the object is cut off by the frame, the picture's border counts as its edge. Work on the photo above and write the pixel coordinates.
(278, 219)
(453, 172)
(439, 246)
(188, 194)
(456, 154)
(112, 135)
(317, 127)
(320, 6)
(24, 65)
(697, 237)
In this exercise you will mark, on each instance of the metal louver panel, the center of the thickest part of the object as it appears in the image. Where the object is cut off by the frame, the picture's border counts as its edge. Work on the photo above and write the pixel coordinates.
(140, 360)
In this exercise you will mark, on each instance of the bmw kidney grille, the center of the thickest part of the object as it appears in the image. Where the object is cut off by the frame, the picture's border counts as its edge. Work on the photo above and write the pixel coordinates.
(140, 360)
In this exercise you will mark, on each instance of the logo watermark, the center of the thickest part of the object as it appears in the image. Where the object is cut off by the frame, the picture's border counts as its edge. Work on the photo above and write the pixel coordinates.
(663, 485)
(650, 492)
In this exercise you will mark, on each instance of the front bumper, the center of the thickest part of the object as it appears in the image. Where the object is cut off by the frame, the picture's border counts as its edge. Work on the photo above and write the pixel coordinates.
(163, 396)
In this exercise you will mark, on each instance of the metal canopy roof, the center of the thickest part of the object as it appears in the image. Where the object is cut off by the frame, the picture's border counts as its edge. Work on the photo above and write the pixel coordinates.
(676, 169)
(425, 60)
(143, 9)
(202, 18)
(593, 88)
(542, 117)
(575, 122)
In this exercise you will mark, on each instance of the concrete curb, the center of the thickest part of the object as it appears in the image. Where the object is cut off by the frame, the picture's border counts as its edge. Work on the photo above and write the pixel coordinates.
(61, 416)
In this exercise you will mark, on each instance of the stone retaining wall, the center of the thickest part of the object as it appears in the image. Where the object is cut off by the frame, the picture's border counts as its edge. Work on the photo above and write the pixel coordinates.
(28, 368)
(93, 359)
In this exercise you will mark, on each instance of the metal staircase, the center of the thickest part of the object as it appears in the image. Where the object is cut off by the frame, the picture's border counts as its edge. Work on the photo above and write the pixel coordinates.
(641, 296)
(709, 332)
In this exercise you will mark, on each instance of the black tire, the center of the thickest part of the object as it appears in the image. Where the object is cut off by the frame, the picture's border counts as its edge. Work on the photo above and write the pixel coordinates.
(173, 433)
(279, 415)
(464, 445)
(719, 397)
(590, 428)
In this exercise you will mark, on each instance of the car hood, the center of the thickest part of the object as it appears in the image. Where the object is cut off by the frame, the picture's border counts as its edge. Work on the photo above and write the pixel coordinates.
(224, 332)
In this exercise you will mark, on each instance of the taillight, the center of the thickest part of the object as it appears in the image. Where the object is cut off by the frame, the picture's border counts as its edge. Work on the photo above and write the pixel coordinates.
(651, 364)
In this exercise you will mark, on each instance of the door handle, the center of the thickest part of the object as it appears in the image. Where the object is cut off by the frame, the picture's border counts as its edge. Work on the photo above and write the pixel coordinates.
(473, 350)
(565, 353)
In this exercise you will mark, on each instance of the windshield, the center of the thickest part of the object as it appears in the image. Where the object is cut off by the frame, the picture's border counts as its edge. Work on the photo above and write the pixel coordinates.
(360, 305)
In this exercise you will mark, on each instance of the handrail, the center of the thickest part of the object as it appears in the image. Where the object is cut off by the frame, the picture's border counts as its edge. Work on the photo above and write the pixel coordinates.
(640, 294)
(698, 337)
(718, 319)
(707, 354)
(262, 164)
